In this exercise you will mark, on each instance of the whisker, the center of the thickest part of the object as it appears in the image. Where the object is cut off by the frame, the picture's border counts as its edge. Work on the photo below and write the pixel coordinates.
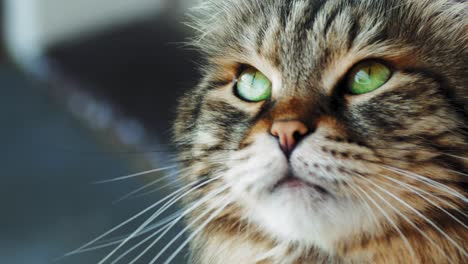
(121, 256)
(439, 199)
(392, 223)
(179, 159)
(427, 220)
(455, 156)
(187, 227)
(174, 222)
(414, 190)
(135, 174)
(162, 187)
(411, 223)
(158, 189)
(155, 215)
(118, 240)
(194, 233)
(149, 185)
(368, 207)
(427, 181)
(130, 219)
(457, 172)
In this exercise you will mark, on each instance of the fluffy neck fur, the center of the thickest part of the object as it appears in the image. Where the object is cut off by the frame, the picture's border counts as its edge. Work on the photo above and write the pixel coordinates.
(231, 247)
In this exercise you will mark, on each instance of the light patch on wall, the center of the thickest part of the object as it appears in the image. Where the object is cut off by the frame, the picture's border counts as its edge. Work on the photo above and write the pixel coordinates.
(34, 25)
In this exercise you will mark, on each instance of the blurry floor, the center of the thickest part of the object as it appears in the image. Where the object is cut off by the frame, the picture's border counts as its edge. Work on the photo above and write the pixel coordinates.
(47, 164)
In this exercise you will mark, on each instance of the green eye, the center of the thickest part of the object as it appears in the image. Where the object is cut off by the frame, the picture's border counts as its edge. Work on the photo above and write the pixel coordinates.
(253, 86)
(367, 77)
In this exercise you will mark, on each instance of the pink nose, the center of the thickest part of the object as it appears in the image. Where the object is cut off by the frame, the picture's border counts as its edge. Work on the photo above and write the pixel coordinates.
(289, 132)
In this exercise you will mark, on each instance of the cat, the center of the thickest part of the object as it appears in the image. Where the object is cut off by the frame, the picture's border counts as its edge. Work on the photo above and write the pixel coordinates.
(327, 132)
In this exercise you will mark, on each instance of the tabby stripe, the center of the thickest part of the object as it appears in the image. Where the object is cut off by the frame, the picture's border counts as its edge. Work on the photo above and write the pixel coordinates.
(260, 36)
(447, 91)
(196, 110)
(314, 10)
(229, 113)
(285, 13)
(353, 32)
(331, 18)
(216, 84)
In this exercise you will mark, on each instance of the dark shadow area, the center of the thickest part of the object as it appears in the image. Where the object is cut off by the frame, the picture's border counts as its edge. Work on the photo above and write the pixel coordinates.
(141, 68)
(50, 158)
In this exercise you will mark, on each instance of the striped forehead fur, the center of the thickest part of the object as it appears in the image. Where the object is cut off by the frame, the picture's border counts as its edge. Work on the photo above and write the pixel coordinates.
(298, 29)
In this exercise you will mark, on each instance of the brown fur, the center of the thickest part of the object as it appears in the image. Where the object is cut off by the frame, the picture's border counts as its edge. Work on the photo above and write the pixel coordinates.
(419, 124)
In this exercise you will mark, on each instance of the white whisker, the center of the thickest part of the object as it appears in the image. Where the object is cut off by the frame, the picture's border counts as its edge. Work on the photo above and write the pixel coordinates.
(174, 222)
(455, 156)
(441, 200)
(135, 174)
(418, 214)
(411, 223)
(155, 215)
(162, 187)
(366, 204)
(194, 233)
(130, 219)
(149, 185)
(121, 256)
(415, 190)
(115, 241)
(457, 172)
(392, 223)
(187, 227)
(428, 181)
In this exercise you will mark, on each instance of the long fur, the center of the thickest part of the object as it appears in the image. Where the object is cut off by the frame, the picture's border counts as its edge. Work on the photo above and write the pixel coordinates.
(395, 160)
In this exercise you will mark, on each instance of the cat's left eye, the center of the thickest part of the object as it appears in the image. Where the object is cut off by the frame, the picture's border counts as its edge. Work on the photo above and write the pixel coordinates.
(368, 76)
(253, 86)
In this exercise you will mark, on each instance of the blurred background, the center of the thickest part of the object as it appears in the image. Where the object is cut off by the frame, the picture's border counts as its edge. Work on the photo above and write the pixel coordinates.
(88, 92)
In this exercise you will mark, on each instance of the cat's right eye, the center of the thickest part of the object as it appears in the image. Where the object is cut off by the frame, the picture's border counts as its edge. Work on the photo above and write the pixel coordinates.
(253, 86)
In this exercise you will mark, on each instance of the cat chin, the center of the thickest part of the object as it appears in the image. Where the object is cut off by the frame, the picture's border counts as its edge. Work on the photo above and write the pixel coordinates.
(299, 218)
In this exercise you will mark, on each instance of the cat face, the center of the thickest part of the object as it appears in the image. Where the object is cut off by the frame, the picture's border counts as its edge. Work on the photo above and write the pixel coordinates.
(328, 122)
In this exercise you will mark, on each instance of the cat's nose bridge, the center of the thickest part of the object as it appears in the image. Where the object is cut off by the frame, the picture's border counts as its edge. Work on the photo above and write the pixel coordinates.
(289, 133)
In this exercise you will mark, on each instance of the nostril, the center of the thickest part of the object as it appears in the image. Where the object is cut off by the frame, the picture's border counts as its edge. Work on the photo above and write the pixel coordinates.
(297, 136)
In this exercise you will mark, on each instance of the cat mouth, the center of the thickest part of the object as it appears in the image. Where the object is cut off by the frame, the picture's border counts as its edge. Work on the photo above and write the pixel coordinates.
(292, 182)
